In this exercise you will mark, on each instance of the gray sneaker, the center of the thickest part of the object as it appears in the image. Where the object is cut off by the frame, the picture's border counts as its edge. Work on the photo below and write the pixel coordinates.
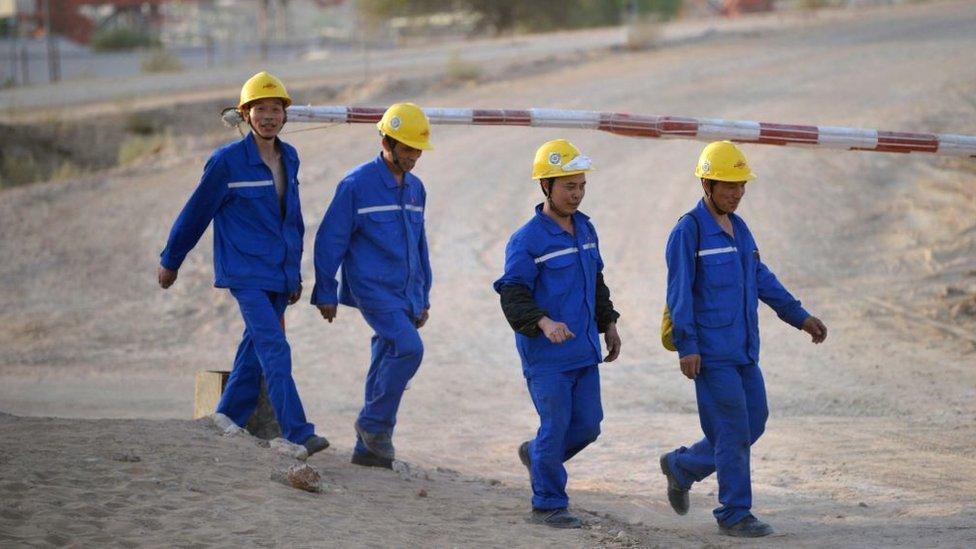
(379, 443)
(556, 518)
(677, 496)
(749, 527)
(314, 444)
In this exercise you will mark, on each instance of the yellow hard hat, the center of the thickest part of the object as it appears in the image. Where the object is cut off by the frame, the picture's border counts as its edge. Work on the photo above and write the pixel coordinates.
(408, 124)
(558, 158)
(263, 86)
(723, 161)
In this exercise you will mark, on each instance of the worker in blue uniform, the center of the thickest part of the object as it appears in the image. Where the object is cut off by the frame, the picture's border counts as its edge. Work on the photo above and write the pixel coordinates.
(374, 230)
(715, 281)
(554, 296)
(249, 190)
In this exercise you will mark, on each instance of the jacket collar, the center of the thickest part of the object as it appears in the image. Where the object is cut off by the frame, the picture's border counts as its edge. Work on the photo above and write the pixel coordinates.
(387, 176)
(254, 155)
(553, 227)
(705, 219)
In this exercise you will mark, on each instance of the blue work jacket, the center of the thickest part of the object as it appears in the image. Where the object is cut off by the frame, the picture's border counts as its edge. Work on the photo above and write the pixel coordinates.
(714, 290)
(374, 229)
(256, 247)
(560, 270)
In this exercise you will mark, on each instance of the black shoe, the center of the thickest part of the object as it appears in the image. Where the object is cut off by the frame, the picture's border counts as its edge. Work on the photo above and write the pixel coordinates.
(524, 457)
(315, 444)
(749, 527)
(557, 518)
(677, 496)
(371, 460)
(377, 443)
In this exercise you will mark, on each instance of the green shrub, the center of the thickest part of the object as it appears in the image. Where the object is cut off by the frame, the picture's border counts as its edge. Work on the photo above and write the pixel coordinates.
(20, 168)
(459, 70)
(121, 38)
(142, 123)
(136, 147)
(161, 60)
(67, 170)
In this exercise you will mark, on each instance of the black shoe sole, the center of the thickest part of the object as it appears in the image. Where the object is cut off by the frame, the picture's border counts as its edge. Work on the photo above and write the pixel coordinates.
(313, 451)
(744, 533)
(681, 507)
(364, 435)
(537, 519)
(369, 460)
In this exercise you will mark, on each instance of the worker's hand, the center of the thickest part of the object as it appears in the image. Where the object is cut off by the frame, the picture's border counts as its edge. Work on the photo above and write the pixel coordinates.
(556, 332)
(422, 319)
(328, 312)
(296, 295)
(166, 277)
(690, 365)
(817, 330)
(613, 342)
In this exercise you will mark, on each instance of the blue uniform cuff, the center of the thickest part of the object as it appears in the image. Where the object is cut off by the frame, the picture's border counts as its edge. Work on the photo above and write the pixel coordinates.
(797, 317)
(170, 262)
(323, 297)
(688, 348)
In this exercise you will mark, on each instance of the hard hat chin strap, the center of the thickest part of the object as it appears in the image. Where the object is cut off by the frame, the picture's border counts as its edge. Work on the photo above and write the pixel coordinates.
(547, 191)
(708, 196)
(390, 142)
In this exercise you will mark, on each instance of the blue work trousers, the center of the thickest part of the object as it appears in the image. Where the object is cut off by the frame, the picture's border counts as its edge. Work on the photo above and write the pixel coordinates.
(570, 413)
(396, 354)
(264, 351)
(732, 411)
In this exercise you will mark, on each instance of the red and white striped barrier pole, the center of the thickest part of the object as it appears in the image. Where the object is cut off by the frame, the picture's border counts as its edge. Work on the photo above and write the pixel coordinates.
(675, 127)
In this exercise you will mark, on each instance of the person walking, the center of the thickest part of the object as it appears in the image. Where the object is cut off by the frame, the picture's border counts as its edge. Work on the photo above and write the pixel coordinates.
(374, 230)
(249, 190)
(554, 296)
(716, 279)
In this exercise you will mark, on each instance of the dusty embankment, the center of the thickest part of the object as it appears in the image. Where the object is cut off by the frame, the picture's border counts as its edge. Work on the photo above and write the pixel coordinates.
(139, 483)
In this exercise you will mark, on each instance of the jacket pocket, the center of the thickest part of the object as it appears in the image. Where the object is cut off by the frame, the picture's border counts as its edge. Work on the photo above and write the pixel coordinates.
(262, 191)
(719, 270)
(714, 319)
(559, 273)
(387, 216)
(270, 249)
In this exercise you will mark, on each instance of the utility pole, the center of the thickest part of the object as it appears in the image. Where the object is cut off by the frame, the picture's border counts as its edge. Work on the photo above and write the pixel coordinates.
(363, 24)
(263, 26)
(53, 55)
(14, 30)
(24, 61)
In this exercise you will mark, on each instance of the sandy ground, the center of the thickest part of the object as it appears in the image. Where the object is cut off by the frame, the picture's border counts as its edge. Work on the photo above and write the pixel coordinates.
(871, 437)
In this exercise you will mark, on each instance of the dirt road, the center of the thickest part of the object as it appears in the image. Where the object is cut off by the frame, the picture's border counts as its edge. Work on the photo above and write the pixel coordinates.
(871, 436)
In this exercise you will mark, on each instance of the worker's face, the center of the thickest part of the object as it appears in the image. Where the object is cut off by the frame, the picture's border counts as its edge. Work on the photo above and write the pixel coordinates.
(406, 155)
(266, 117)
(567, 192)
(726, 194)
